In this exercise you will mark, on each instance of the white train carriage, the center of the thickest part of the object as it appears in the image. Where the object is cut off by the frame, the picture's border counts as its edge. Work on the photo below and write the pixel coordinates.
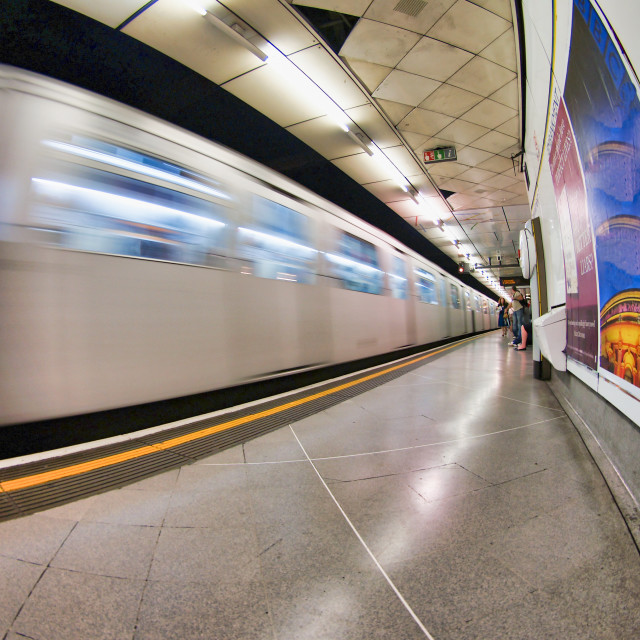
(140, 262)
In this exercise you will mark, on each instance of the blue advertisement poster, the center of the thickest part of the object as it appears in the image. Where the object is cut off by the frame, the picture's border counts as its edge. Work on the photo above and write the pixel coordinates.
(601, 99)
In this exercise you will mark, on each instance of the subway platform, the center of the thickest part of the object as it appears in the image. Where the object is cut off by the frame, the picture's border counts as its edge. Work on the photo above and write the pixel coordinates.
(456, 501)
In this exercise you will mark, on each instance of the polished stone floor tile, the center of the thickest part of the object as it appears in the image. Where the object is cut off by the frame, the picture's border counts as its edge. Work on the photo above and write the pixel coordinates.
(276, 446)
(348, 605)
(405, 492)
(205, 555)
(232, 455)
(119, 551)
(129, 506)
(211, 509)
(456, 584)
(456, 502)
(35, 538)
(17, 579)
(161, 482)
(66, 605)
(211, 477)
(196, 610)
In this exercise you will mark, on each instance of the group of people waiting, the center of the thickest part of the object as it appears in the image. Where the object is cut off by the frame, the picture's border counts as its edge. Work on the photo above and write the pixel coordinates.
(514, 317)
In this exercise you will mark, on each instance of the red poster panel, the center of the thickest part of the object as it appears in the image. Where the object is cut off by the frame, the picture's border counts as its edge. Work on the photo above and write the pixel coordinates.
(577, 242)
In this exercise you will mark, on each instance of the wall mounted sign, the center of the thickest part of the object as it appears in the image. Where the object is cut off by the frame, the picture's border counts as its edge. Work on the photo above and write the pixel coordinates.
(440, 155)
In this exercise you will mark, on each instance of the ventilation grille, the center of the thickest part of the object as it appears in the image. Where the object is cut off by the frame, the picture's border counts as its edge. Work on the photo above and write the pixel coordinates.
(410, 7)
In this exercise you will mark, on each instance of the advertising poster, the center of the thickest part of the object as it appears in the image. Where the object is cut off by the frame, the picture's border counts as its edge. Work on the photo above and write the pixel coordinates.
(603, 110)
(577, 241)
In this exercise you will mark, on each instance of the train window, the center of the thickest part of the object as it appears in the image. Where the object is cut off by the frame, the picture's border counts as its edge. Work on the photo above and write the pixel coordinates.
(398, 278)
(86, 208)
(468, 297)
(355, 264)
(149, 166)
(455, 296)
(443, 291)
(477, 301)
(277, 244)
(426, 284)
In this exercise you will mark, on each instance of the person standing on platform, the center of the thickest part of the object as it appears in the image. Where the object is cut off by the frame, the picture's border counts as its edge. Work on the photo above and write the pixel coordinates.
(502, 316)
(518, 313)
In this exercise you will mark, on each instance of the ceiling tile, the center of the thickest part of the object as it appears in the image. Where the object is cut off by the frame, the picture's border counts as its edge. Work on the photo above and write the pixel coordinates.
(508, 95)
(473, 157)
(500, 196)
(482, 76)
(512, 150)
(111, 13)
(518, 187)
(462, 132)
(406, 88)
(350, 7)
(495, 142)
(433, 233)
(386, 11)
(479, 191)
(388, 191)
(436, 143)
(394, 110)
(455, 185)
(322, 135)
(477, 175)
(404, 160)
(489, 114)
(481, 215)
(469, 27)
(424, 186)
(434, 59)
(270, 93)
(450, 100)
(278, 24)
(510, 127)
(371, 75)
(518, 200)
(461, 201)
(501, 182)
(446, 169)
(374, 125)
(497, 164)
(500, 7)
(363, 168)
(502, 51)
(422, 214)
(317, 63)
(423, 121)
(415, 140)
(517, 213)
(378, 43)
(193, 42)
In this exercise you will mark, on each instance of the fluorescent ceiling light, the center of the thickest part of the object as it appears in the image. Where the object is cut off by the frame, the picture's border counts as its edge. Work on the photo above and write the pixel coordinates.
(236, 32)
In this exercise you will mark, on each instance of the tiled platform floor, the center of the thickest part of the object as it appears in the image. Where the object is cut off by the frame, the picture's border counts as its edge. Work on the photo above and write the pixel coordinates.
(456, 502)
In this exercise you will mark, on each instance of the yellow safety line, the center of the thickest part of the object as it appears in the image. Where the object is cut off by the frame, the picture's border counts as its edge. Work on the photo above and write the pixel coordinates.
(99, 463)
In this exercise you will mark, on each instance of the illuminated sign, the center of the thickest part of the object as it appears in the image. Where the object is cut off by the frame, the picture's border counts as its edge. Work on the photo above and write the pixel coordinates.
(440, 155)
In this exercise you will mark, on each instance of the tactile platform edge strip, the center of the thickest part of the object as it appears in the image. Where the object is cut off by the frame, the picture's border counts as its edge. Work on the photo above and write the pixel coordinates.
(57, 492)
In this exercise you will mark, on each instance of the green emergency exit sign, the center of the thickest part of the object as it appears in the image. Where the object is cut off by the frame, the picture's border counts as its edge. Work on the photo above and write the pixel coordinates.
(440, 155)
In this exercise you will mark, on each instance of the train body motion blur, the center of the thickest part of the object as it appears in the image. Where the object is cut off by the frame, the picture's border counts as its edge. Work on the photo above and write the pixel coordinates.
(140, 262)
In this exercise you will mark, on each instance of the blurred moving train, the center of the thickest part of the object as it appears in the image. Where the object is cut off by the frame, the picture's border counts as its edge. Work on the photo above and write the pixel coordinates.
(140, 262)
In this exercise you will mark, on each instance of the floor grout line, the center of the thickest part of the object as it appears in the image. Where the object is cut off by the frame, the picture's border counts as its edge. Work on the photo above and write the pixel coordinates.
(497, 395)
(406, 605)
(374, 453)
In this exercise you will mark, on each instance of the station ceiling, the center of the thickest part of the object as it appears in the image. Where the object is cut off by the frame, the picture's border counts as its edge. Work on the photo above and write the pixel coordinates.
(370, 85)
